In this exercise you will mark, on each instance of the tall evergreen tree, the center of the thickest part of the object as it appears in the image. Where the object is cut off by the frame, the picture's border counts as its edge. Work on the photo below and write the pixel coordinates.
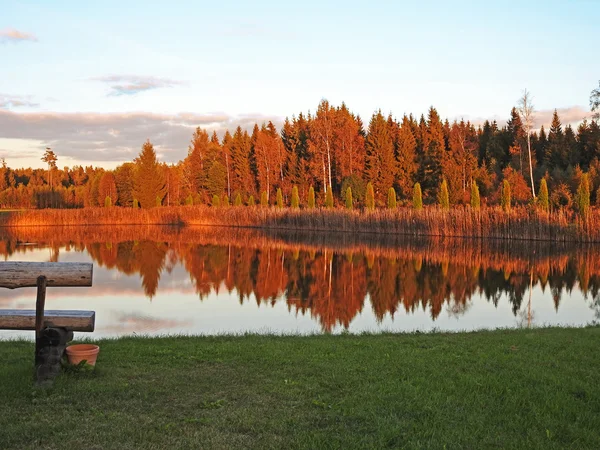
(149, 180)
(380, 164)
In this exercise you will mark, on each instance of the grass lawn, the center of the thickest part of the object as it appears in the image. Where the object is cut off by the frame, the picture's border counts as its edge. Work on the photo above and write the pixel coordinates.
(500, 389)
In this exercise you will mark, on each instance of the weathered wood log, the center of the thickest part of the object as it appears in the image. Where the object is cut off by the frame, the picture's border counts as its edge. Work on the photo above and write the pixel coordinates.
(25, 274)
(24, 319)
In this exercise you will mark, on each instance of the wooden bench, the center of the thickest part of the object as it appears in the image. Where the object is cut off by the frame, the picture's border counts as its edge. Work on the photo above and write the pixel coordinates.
(53, 329)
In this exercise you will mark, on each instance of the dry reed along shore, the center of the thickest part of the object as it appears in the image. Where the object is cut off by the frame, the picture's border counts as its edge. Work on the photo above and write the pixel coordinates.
(518, 224)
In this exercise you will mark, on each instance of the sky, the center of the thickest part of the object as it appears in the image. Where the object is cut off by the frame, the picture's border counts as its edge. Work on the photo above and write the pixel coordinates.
(94, 80)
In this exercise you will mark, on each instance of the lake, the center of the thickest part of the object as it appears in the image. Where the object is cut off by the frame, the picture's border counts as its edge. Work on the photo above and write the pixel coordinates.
(202, 280)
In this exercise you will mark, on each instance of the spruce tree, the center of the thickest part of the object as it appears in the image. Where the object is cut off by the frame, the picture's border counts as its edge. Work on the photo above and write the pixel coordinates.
(264, 199)
(189, 200)
(349, 198)
(582, 197)
(226, 200)
(543, 200)
(443, 196)
(107, 202)
(279, 198)
(238, 200)
(417, 197)
(311, 198)
(475, 199)
(370, 197)
(136, 204)
(149, 182)
(329, 199)
(391, 200)
(158, 200)
(216, 201)
(251, 201)
(295, 197)
(505, 200)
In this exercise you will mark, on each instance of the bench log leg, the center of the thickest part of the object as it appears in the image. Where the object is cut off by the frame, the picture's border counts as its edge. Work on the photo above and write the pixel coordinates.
(50, 350)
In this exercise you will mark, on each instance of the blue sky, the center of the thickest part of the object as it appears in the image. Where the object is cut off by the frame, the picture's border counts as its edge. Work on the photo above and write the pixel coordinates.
(93, 80)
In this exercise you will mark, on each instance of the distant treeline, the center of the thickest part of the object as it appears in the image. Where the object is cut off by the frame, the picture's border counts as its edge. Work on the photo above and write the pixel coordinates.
(329, 158)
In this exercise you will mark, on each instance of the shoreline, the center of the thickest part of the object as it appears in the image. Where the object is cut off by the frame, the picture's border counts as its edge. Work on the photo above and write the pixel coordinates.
(520, 224)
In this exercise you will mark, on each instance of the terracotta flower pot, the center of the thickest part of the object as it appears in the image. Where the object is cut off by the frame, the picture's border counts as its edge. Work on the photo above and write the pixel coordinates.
(80, 352)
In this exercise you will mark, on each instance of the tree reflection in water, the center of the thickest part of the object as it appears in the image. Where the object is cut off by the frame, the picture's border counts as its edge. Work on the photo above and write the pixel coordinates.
(330, 276)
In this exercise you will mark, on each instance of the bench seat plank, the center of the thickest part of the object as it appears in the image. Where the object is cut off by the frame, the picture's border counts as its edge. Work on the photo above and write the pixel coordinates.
(24, 319)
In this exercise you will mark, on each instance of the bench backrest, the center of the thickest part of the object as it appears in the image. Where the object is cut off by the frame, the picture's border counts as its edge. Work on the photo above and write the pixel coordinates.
(58, 274)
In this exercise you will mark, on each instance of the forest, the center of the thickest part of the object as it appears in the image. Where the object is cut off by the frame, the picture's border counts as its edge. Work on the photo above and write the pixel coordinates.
(331, 158)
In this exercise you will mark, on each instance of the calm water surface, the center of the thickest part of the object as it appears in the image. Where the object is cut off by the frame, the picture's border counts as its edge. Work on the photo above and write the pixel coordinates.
(159, 280)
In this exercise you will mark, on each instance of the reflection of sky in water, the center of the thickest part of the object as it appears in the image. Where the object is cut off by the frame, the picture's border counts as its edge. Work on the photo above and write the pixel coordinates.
(122, 307)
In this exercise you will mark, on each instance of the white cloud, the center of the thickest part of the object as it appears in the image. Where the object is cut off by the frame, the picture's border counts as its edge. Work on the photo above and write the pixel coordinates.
(12, 35)
(134, 84)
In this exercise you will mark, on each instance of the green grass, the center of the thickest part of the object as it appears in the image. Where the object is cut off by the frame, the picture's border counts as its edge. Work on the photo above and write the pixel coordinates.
(500, 389)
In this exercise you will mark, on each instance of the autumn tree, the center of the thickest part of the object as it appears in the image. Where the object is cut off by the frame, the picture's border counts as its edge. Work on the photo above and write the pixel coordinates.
(279, 199)
(526, 113)
(475, 199)
(321, 141)
(505, 198)
(417, 197)
(406, 164)
(370, 197)
(329, 199)
(194, 170)
(240, 162)
(582, 198)
(543, 198)
(380, 164)
(107, 188)
(349, 198)
(391, 198)
(149, 180)
(295, 198)
(124, 176)
(443, 197)
(311, 198)
(50, 159)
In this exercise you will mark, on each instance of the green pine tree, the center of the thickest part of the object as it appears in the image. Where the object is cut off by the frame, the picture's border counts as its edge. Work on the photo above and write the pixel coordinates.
(279, 198)
(238, 200)
(216, 201)
(391, 200)
(264, 199)
(349, 198)
(443, 196)
(329, 199)
(107, 202)
(543, 199)
(311, 198)
(189, 200)
(295, 197)
(475, 199)
(226, 200)
(136, 204)
(251, 201)
(158, 200)
(417, 197)
(582, 198)
(370, 197)
(505, 200)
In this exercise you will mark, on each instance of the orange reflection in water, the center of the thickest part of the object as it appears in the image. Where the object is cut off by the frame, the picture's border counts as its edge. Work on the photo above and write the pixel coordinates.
(328, 276)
